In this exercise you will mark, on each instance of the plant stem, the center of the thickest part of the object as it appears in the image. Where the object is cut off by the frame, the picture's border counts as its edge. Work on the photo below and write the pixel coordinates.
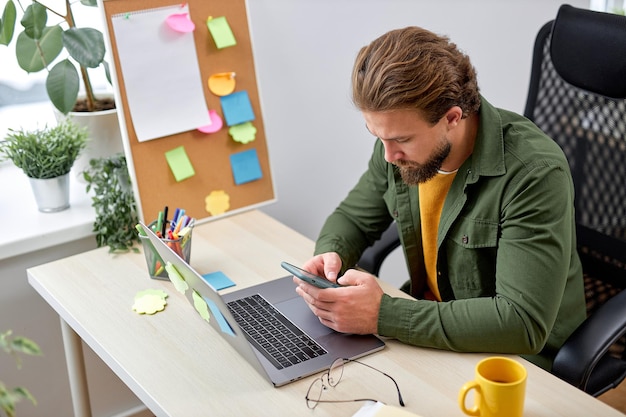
(69, 18)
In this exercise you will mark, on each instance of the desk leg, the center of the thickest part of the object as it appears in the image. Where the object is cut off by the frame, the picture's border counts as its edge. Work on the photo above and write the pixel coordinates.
(76, 371)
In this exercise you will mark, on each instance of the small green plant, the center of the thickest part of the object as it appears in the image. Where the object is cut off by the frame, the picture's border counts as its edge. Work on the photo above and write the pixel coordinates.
(114, 203)
(48, 152)
(14, 345)
(42, 41)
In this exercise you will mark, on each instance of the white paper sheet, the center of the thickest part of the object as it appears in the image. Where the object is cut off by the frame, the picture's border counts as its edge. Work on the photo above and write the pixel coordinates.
(161, 73)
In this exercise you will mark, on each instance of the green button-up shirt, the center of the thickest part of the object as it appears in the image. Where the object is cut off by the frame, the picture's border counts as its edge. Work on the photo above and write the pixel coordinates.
(507, 267)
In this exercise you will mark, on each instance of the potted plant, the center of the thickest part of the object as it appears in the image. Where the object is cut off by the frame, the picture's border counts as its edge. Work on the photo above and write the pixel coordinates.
(39, 45)
(50, 40)
(14, 345)
(114, 203)
(46, 156)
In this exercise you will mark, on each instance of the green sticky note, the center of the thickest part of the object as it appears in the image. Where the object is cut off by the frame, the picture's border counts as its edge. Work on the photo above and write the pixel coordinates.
(220, 30)
(201, 306)
(179, 282)
(243, 133)
(179, 163)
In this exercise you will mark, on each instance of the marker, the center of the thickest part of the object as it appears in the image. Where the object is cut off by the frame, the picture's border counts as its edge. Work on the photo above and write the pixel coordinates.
(159, 224)
(164, 221)
(174, 219)
(140, 230)
(179, 224)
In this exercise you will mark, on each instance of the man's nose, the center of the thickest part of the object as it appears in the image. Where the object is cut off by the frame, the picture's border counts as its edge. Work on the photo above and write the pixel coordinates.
(392, 153)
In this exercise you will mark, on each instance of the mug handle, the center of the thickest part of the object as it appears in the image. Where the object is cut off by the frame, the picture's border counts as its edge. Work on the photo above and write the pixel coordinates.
(465, 389)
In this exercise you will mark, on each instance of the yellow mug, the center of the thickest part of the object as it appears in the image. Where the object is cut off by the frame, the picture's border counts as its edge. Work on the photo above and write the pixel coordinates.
(500, 389)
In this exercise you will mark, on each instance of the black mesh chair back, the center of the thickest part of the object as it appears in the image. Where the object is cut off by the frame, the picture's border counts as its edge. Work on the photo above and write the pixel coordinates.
(577, 96)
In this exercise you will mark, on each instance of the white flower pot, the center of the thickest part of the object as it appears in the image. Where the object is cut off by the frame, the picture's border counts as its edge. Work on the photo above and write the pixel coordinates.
(51, 194)
(105, 137)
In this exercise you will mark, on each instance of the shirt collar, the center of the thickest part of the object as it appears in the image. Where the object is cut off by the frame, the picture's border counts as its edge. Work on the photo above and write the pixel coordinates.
(487, 158)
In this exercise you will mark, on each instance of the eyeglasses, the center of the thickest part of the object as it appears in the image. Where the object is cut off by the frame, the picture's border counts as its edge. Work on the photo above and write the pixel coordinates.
(333, 377)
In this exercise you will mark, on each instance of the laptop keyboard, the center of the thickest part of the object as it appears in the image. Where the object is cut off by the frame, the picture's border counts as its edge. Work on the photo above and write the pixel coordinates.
(273, 334)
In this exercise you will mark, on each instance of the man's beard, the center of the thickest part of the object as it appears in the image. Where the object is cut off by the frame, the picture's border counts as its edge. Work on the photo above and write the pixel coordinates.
(413, 173)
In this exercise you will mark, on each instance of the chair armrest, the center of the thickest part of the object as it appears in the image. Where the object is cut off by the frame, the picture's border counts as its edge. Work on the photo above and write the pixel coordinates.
(590, 342)
(373, 257)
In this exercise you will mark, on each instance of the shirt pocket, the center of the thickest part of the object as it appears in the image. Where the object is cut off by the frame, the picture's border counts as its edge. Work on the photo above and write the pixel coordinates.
(471, 250)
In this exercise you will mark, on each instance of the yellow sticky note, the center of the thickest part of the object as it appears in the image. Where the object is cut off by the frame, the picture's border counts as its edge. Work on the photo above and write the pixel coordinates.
(179, 163)
(243, 133)
(221, 32)
(149, 301)
(218, 202)
(179, 282)
(201, 307)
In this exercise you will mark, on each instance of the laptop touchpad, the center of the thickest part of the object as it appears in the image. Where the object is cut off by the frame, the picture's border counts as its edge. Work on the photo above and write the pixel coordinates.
(300, 314)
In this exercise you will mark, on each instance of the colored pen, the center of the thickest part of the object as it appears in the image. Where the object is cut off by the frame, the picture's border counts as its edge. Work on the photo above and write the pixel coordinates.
(159, 224)
(174, 219)
(179, 224)
(140, 230)
(164, 225)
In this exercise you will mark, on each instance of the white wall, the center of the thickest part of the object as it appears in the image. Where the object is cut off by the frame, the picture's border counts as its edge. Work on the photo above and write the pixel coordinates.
(304, 53)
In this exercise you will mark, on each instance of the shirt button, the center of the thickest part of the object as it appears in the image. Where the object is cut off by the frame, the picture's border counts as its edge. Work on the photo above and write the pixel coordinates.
(465, 239)
(395, 213)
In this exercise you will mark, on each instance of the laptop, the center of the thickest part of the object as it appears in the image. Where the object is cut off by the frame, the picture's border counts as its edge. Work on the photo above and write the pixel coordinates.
(307, 347)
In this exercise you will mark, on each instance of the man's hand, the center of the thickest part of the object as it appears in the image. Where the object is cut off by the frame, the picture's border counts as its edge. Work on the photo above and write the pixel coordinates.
(352, 308)
(325, 265)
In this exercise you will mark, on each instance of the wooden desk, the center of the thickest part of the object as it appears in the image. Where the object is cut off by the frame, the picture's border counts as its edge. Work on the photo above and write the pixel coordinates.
(178, 366)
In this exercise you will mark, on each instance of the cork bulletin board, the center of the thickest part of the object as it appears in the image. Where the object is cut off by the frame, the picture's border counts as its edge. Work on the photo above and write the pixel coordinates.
(190, 111)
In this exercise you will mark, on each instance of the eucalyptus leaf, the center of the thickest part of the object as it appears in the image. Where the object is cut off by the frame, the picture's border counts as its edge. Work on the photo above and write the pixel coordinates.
(29, 51)
(85, 45)
(7, 24)
(62, 85)
(34, 20)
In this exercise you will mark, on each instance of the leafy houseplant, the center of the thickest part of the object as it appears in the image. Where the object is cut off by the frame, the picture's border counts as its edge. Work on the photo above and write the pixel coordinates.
(38, 45)
(46, 156)
(14, 345)
(45, 153)
(114, 203)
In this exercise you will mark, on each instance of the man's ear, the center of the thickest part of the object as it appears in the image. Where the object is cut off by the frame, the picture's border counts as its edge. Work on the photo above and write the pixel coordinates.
(454, 116)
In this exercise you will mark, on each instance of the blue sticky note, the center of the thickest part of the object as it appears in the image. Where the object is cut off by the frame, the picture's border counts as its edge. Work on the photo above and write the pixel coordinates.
(221, 321)
(245, 166)
(218, 280)
(237, 108)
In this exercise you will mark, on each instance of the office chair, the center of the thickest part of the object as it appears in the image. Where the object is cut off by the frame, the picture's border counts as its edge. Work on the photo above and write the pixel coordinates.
(577, 96)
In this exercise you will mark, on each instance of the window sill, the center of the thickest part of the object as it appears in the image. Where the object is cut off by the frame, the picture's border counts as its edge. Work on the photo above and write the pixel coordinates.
(25, 229)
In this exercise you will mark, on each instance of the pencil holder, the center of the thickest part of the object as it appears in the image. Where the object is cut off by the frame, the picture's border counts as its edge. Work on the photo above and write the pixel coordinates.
(179, 242)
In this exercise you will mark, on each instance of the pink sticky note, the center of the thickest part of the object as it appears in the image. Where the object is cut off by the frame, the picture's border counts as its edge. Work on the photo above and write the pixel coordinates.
(180, 22)
(216, 123)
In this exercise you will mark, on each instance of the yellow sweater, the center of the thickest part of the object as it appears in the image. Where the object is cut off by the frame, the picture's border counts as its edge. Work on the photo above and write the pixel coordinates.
(432, 195)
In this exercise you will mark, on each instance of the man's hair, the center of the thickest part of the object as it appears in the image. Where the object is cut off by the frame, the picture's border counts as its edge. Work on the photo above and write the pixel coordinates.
(413, 68)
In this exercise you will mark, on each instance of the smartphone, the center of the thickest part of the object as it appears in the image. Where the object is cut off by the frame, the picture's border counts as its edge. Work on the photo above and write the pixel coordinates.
(306, 276)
